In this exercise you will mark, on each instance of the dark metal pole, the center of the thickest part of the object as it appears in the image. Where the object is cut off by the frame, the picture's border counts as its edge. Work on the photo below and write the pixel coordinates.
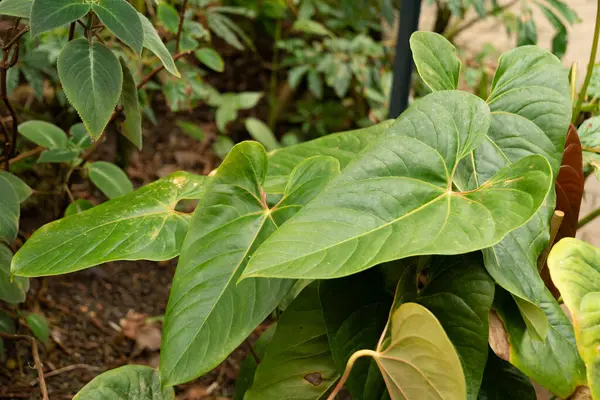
(403, 65)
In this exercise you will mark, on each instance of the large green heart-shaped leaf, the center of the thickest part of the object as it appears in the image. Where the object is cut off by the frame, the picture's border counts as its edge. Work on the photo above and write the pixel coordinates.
(22, 190)
(417, 359)
(131, 382)
(132, 126)
(436, 60)
(575, 270)
(554, 360)
(298, 363)
(140, 225)
(110, 179)
(355, 322)
(123, 20)
(16, 8)
(342, 146)
(49, 14)
(91, 77)
(396, 199)
(10, 212)
(502, 381)
(153, 43)
(209, 314)
(460, 294)
(12, 291)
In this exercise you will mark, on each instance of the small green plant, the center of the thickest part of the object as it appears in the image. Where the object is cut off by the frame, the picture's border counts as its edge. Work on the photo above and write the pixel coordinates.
(379, 248)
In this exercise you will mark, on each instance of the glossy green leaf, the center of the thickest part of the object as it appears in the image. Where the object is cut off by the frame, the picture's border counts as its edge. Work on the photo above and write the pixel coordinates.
(554, 362)
(58, 156)
(109, 178)
(436, 60)
(11, 291)
(91, 77)
(209, 313)
(131, 382)
(210, 58)
(191, 129)
(412, 207)
(49, 14)
(355, 322)
(39, 326)
(132, 127)
(78, 206)
(142, 225)
(44, 134)
(10, 212)
(418, 360)
(22, 190)
(341, 146)
(460, 294)
(298, 363)
(245, 377)
(80, 137)
(575, 270)
(502, 381)
(262, 133)
(168, 17)
(123, 20)
(16, 8)
(153, 43)
(589, 132)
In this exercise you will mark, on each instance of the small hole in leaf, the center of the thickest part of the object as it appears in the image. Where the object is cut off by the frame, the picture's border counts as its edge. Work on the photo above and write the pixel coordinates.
(314, 378)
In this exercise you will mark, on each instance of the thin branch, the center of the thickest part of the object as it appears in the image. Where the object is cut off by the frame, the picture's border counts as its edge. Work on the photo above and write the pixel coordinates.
(454, 32)
(67, 369)
(251, 349)
(90, 31)
(15, 39)
(36, 358)
(590, 67)
(589, 218)
(3, 94)
(180, 27)
(72, 31)
(152, 74)
(26, 154)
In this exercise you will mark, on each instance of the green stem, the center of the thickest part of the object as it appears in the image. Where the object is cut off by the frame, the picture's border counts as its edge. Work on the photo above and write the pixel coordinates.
(590, 68)
(589, 218)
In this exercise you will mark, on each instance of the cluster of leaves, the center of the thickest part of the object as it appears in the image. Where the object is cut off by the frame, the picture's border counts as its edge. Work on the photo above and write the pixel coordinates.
(426, 217)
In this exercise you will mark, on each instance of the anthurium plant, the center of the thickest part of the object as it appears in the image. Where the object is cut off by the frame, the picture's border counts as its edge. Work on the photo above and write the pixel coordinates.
(380, 253)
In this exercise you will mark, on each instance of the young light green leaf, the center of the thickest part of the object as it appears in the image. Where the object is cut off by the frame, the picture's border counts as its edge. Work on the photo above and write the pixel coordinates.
(80, 137)
(58, 156)
(123, 20)
(16, 8)
(131, 382)
(44, 134)
(245, 377)
(110, 179)
(10, 212)
(354, 323)
(231, 220)
(342, 146)
(168, 17)
(12, 291)
(191, 129)
(78, 206)
(210, 58)
(132, 127)
(39, 326)
(435, 60)
(296, 74)
(222, 146)
(262, 133)
(22, 190)
(553, 362)
(49, 14)
(418, 361)
(297, 363)
(92, 77)
(142, 225)
(408, 173)
(311, 27)
(153, 43)
(575, 270)
(503, 381)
